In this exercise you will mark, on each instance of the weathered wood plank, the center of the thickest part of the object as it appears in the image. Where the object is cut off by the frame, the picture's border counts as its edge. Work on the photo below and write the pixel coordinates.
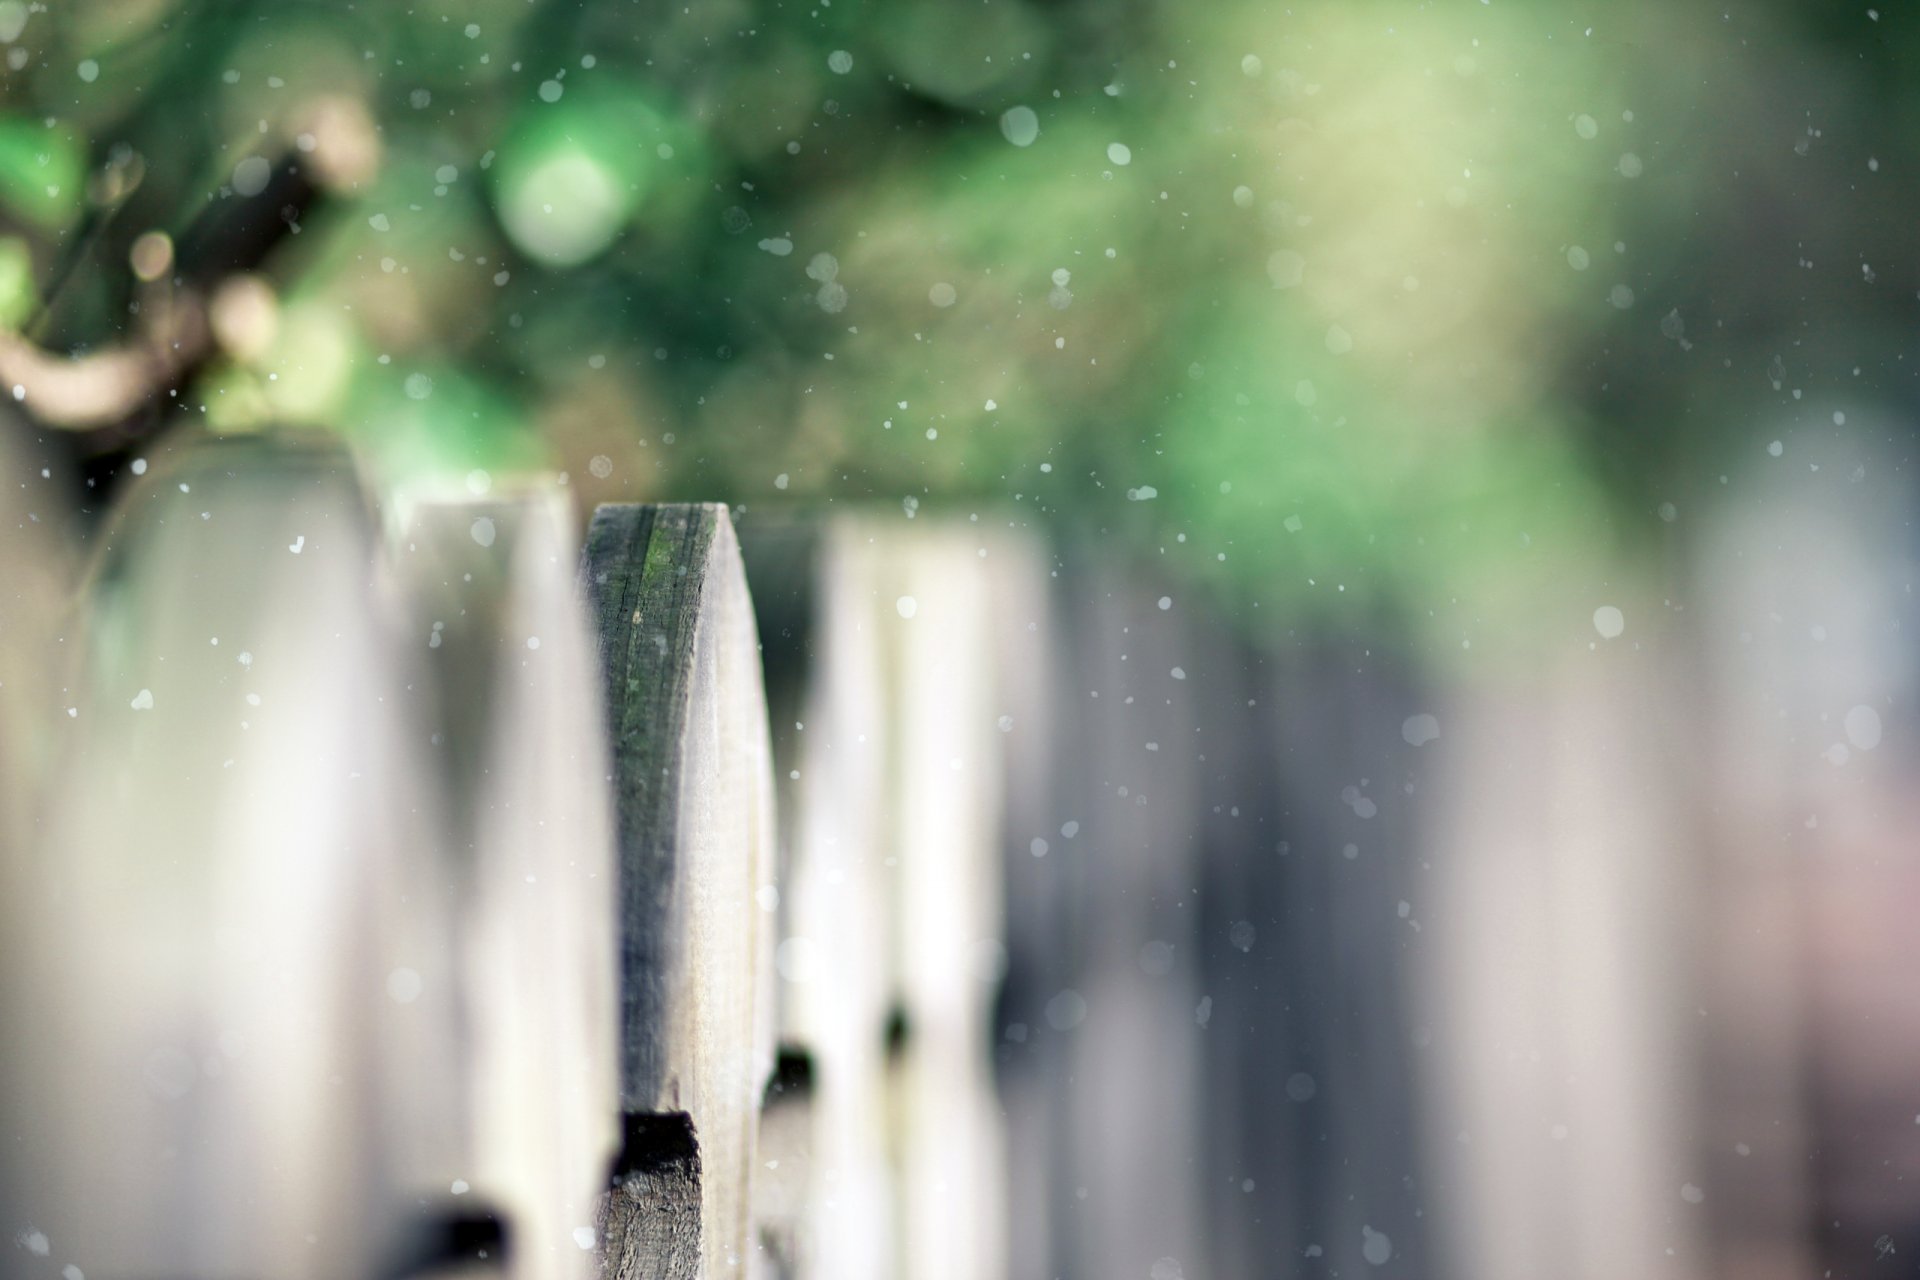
(508, 692)
(693, 815)
(210, 1023)
(891, 954)
(933, 599)
(1553, 919)
(1308, 856)
(1102, 985)
(798, 1162)
(836, 1215)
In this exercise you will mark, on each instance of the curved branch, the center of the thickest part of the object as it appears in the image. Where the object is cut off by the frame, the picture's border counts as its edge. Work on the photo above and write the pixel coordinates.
(108, 386)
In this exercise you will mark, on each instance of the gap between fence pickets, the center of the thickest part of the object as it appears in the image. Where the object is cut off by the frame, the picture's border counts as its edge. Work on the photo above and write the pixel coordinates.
(693, 786)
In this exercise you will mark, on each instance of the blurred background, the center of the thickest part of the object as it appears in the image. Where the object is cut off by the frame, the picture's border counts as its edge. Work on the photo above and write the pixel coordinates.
(1448, 469)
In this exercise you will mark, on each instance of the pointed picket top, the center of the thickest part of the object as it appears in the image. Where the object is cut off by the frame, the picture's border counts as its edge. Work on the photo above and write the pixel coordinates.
(693, 812)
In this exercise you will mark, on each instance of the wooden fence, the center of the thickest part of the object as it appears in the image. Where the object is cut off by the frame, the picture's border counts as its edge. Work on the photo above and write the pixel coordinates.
(402, 889)
(404, 901)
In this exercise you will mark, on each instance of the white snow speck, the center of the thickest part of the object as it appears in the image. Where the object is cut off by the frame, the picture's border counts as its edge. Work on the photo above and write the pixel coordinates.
(1286, 268)
(1419, 730)
(250, 176)
(143, 700)
(1066, 1010)
(907, 606)
(169, 1074)
(483, 531)
(1863, 727)
(796, 959)
(1120, 153)
(1609, 621)
(1020, 126)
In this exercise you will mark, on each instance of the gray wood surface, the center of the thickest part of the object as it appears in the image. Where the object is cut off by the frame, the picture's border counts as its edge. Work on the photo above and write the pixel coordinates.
(504, 683)
(693, 788)
(208, 1041)
(906, 649)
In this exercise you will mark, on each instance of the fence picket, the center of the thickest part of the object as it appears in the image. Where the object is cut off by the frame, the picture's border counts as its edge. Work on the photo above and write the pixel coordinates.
(693, 805)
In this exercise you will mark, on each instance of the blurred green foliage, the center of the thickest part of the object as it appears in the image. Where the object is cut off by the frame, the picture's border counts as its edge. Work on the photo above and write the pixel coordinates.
(1353, 309)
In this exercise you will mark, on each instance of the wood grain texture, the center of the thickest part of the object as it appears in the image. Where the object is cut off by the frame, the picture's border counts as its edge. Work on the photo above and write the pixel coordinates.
(693, 804)
(650, 1225)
